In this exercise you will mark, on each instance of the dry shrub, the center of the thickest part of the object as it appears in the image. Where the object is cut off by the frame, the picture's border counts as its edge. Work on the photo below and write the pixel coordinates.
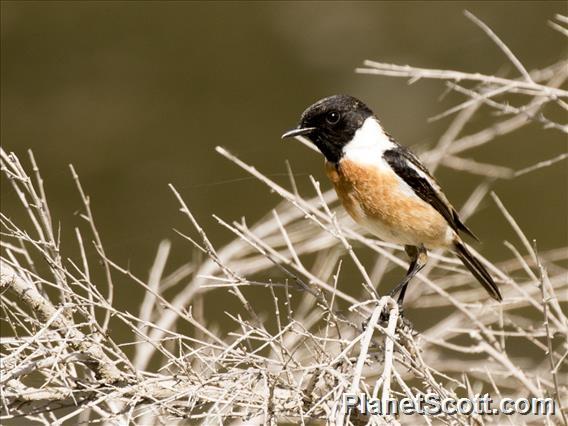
(291, 361)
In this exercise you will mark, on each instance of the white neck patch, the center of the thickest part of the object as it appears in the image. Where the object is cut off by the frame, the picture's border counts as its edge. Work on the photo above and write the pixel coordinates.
(368, 144)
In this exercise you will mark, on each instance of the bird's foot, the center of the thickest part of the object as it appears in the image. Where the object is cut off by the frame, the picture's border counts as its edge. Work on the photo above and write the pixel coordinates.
(384, 317)
(385, 314)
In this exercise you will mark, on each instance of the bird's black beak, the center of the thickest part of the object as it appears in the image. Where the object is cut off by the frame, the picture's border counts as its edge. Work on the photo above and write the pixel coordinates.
(298, 132)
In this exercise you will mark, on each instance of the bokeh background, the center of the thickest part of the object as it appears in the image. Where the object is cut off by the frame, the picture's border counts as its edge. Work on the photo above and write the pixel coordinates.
(137, 94)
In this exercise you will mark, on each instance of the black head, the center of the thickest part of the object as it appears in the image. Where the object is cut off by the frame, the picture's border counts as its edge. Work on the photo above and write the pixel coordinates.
(331, 123)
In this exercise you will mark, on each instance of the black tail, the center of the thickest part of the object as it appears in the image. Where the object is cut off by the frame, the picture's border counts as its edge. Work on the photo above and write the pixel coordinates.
(478, 270)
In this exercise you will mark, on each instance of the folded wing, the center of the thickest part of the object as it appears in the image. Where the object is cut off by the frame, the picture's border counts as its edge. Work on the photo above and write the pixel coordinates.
(409, 168)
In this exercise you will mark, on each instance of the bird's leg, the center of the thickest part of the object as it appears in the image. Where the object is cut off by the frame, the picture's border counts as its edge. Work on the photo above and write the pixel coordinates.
(418, 257)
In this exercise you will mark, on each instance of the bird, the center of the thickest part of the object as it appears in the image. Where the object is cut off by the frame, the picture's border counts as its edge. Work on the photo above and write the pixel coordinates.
(385, 188)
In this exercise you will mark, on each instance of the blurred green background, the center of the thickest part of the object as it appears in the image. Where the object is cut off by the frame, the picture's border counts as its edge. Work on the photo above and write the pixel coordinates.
(137, 94)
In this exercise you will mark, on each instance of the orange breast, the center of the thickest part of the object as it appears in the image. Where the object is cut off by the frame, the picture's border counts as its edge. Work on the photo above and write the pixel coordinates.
(378, 200)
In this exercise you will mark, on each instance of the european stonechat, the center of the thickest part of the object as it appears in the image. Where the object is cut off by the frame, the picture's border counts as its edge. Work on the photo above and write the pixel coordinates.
(385, 188)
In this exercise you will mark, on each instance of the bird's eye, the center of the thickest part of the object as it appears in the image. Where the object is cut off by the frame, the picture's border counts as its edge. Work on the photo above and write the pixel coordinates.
(332, 117)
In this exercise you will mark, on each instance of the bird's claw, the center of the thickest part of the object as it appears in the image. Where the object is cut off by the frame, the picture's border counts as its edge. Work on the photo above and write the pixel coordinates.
(384, 317)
